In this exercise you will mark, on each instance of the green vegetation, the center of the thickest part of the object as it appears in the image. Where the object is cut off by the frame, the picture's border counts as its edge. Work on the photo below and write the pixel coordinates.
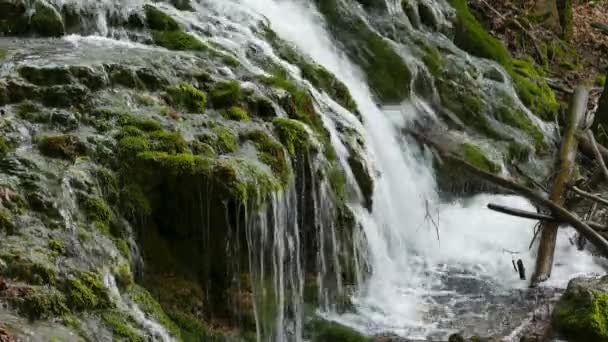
(97, 210)
(3, 53)
(387, 74)
(236, 113)
(42, 302)
(118, 322)
(87, 292)
(600, 80)
(188, 97)
(518, 152)
(531, 87)
(270, 152)
(226, 94)
(4, 147)
(583, 317)
(62, 146)
(511, 115)
(293, 135)
(46, 21)
(151, 307)
(432, 60)
(476, 157)
(158, 20)
(320, 330)
(178, 40)
(123, 275)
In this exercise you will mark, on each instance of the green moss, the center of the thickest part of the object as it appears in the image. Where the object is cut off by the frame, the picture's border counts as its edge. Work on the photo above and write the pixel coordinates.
(270, 152)
(531, 87)
(86, 291)
(226, 94)
(518, 152)
(3, 53)
(293, 135)
(323, 331)
(192, 329)
(151, 307)
(32, 272)
(178, 40)
(118, 322)
(387, 74)
(583, 318)
(159, 20)
(46, 21)
(143, 124)
(62, 146)
(476, 157)
(6, 225)
(129, 147)
(236, 113)
(123, 276)
(45, 76)
(533, 90)
(42, 302)
(221, 139)
(4, 147)
(57, 246)
(515, 117)
(97, 210)
(600, 80)
(134, 202)
(123, 248)
(188, 97)
(170, 142)
(108, 184)
(230, 61)
(432, 60)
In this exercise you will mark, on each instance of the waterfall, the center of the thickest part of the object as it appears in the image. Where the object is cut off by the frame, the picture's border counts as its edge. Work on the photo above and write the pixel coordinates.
(418, 269)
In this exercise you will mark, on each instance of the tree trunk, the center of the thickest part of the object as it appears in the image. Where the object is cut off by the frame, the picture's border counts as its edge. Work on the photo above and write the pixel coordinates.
(565, 166)
(600, 123)
(565, 10)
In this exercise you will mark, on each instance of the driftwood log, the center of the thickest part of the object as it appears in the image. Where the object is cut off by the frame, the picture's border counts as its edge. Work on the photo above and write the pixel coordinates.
(565, 168)
(537, 216)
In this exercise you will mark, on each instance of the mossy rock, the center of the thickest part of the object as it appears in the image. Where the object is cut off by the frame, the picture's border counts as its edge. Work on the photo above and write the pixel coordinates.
(236, 113)
(159, 20)
(41, 302)
(387, 74)
(178, 40)
(582, 312)
(319, 330)
(121, 326)
(226, 94)
(270, 152)
(62, 146)
(475, 156)
(150, 306)
(4, 147)
(46, 21)
(186, 96)
(293, 136)
(45, 76)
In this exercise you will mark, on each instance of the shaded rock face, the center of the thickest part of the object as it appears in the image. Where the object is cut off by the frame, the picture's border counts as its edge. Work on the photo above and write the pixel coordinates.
(581, 314)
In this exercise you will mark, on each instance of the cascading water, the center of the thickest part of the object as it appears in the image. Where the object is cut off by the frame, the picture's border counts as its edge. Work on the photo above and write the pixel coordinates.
(428, 275)
(420, 281)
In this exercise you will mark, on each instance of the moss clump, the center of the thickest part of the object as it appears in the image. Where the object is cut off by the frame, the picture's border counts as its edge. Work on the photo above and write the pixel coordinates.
(178, 40)
(387, 74)
(143, 124)
(322, 331)
(192, 329)
(159, 20)
(62, 146)
(221, 139)
(3, 53)
(293, 135)
(5, 222)
(129, 147)
(270, 153)
(432, 60)
(583, 317)
(600, 80)
(151, 307)
(515, 117)
(123, 275)
(226, 94)
(57, 246)
(31, 272)
(118, 322)
(187, 97)
(533, 90)
(236, 113)
(518, 152)
(4, 148)
(46, 21)
(97, 210)
(42, 302)
(46, 76)
(475, 156)
(86, 291)
(320, 77)
(134, 202)
(170, 142)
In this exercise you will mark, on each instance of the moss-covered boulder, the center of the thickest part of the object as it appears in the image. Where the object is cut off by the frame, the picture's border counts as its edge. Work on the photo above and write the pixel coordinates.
(17, 20)
(62, 146)
(582, 312)
(320, 330)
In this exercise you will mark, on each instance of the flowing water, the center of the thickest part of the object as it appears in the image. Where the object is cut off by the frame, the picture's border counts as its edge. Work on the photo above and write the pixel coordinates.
(436, 267)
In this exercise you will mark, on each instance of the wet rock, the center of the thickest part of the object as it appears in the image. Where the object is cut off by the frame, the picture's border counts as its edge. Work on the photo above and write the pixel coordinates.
(65, 96)
(581, 313)
(93, 78)
(62, 146)
(428, 16)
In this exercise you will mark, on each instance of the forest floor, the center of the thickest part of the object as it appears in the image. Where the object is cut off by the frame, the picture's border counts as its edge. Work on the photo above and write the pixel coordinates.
(583, 58)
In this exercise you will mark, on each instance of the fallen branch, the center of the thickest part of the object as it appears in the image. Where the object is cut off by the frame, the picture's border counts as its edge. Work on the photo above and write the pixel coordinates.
(536, 216)
(590, 196)
(601, 27)
(597, 153)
